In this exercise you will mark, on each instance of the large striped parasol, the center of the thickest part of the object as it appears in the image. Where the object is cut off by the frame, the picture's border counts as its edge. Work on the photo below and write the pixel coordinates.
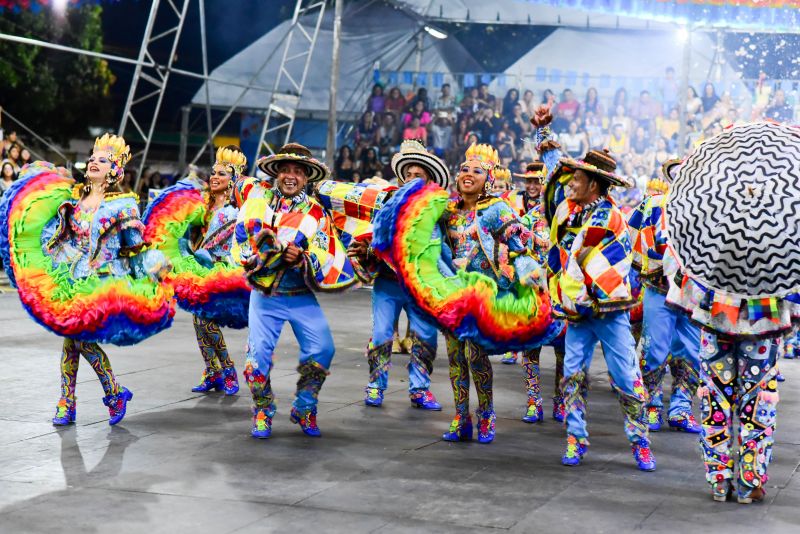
(733, 213)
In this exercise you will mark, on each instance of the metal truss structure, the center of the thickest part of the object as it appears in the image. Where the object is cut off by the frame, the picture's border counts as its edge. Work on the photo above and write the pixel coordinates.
(283, 103)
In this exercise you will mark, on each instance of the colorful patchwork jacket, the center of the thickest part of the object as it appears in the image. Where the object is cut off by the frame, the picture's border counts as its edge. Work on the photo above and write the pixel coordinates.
(353, 208)
(267, 223)
(495, 242)
(589, 259)
(108, 242)
(647, 226)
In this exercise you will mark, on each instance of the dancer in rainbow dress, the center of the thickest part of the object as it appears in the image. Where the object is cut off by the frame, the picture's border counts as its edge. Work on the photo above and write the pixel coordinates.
(211, 244)
(665, 330)
(289, 248)
(589, 262)
(388, 298)
(86, 273)
(484, 235)
(528, 205)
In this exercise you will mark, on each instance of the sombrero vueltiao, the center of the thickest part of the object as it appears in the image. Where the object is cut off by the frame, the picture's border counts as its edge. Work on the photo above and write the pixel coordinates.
(533, 171)
(413, 153)
(294, 153)
(596, 162)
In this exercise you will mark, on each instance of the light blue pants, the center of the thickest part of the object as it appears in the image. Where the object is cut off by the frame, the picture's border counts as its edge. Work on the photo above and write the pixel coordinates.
(667, 331)
(613, 331)
(303, 313)
(388, 299)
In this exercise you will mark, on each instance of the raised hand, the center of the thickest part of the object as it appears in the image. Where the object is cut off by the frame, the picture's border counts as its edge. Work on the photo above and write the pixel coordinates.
(542, 116)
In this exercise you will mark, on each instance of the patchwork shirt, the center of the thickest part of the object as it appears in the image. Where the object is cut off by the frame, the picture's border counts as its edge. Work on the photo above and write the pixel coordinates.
(267, 222)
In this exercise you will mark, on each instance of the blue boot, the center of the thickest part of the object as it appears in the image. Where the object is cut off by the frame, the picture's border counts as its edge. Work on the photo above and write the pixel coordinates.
(117, 405)
(65, 413)
(460, 429)
(374, 397)
(307, 420)
(262, 423)
(654, 418)
(425, 400)
(486, 426)
(534, 414)
(210, 381)
(510, 358)
(685, 422)
(576, 449)
(230, 381)
(643, 456)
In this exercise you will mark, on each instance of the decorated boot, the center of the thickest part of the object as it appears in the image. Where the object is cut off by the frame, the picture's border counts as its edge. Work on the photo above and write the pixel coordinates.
(262, 422)
(654, 418)
(65, 413)
(534, 413)
(210, 380)
(486, 426)
(374, 397)
(230, 381)
(510, 358)
(379, 359)
(576, 449)
(425, 400)
(643, 456)
(117, 405)
(559, 414)
(460, 428)
(685, 422)
(307, 419)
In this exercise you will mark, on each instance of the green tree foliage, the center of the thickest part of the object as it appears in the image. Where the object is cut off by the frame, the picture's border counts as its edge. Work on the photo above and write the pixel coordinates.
(58, 94)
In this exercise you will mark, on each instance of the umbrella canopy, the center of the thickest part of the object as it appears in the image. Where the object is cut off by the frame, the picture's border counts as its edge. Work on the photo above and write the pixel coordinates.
(734, 212)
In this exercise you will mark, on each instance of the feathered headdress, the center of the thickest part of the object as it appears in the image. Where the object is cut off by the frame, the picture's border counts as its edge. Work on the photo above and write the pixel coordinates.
(488, 158)
(235, 159)
(657, 185)
(502, 174)
(117, 152)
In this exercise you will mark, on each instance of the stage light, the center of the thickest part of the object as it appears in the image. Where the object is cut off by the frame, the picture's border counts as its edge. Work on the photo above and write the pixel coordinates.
(60, 7)
(435, 33)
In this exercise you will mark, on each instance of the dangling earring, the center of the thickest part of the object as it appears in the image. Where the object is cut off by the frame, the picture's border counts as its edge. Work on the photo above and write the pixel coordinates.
(87, 188)
(487, 187)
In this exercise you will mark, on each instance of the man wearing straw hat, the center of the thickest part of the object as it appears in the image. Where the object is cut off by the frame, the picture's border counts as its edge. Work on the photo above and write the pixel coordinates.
(589, 263)
(666, 330)
(388, 298)
(289, 248)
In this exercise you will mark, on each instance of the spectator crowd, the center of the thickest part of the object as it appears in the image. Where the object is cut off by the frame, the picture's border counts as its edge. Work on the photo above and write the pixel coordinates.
(641, 131)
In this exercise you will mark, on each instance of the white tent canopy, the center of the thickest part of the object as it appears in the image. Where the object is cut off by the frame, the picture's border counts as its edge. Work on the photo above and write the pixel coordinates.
(372, 32)
(522, 12)
(611, 59)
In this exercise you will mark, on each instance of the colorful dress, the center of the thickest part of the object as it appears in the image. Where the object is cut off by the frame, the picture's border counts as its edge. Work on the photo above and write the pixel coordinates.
(483, 240)
(85, 274)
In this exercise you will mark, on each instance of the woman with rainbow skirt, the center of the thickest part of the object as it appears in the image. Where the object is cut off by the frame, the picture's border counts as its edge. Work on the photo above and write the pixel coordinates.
(82, 269)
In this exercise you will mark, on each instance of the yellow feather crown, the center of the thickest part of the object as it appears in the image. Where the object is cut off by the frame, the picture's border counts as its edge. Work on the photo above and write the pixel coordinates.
(486, 154)
(657, 185)
(231, 158)
(501, 174)
(115, 147)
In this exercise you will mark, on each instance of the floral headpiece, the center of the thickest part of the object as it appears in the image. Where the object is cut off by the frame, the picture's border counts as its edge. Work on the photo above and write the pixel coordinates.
(116, 150)
(235, 159)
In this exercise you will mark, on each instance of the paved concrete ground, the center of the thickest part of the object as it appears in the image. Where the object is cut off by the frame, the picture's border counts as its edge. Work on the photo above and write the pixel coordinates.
(184, 462)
